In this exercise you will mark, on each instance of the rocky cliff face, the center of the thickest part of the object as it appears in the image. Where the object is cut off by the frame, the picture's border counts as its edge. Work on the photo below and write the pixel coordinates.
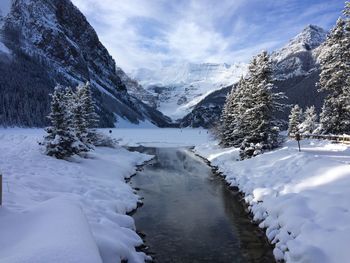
(55, 36)
(296, 73)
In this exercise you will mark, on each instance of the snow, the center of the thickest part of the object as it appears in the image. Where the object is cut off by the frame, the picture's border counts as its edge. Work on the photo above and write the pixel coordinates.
(3, 48)
(123, 123)
(310, 38)
(53, 231)
(301, 198)
(179, 87)
(94, 190)
(75, 211)
(5, 7)
(165, 137)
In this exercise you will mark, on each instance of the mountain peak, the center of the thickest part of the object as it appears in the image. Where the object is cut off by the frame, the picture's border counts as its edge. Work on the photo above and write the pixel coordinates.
(311, 37)
(308, 39)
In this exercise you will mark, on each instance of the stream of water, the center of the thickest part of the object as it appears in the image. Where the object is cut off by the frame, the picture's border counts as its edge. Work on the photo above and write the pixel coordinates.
(191, 215)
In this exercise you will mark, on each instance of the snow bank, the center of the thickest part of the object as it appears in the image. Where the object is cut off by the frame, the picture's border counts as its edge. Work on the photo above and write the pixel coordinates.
(160, 137)
(54, 231)
(95, 184)
(3, 48)
(301, 198)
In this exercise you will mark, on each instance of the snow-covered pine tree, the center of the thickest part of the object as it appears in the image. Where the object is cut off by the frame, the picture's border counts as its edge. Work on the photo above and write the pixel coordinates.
(88, 110)
(309, 124)
(79, 123)
(69, 100)
(224, 132)
(61, 141)
(261, 128)
(295, 120)
(334, 78)
(231, 122)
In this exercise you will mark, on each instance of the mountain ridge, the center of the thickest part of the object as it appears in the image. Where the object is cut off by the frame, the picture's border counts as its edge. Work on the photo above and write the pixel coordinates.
(296, 72)
(55, 33)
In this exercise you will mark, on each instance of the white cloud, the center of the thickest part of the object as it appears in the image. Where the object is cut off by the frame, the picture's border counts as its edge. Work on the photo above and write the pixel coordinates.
(148, 33)
(189, 33)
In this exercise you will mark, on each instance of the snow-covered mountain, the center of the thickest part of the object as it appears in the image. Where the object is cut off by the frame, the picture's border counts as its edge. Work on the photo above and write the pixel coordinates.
(296, 71)
(135, 89)
(51, 42)
(179, 87)
(297, 58)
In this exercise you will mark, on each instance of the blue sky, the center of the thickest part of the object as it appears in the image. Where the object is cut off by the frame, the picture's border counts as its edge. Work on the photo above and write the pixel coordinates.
(151, 33)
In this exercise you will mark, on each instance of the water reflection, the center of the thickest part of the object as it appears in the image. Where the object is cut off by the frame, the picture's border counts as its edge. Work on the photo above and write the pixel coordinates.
(190, 215)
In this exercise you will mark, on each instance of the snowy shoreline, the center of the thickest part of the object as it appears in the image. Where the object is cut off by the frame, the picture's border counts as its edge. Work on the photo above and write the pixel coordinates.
(299, 198)
(93, 190)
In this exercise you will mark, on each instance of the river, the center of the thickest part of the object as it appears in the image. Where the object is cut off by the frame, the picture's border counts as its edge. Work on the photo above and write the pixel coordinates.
(191, 215)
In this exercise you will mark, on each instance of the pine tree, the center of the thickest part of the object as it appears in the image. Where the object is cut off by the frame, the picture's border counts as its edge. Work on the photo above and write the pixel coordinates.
(261, 103)
(309, 125)
(88, 111)
(69, 100)
(295, 120)
(61, 140)
(225, 120)
(231, 118)
(334, 78)
(248, 115)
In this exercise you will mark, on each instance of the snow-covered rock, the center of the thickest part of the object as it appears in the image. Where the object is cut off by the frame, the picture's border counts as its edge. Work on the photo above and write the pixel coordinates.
(179, 87)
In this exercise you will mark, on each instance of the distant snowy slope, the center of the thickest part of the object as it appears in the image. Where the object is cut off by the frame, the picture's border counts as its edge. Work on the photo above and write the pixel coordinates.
(297, 58)
(189, 73)
(295, 69)
(178, 88)
(135, 89)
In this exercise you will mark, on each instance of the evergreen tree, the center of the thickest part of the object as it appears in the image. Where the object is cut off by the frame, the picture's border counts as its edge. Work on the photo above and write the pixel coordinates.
(61, 141)
(248, 116)
(260, 104)
(309, 125)
(295, 120)
(334, 78)
(89, 115)
(231, 119)
(69, 100)
(225, 120)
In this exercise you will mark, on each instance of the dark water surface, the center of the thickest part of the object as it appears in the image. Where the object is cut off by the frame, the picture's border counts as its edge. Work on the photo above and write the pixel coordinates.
(190, 214)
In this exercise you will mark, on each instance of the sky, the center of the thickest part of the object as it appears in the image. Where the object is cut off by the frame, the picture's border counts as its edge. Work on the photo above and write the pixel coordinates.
(153, 33)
